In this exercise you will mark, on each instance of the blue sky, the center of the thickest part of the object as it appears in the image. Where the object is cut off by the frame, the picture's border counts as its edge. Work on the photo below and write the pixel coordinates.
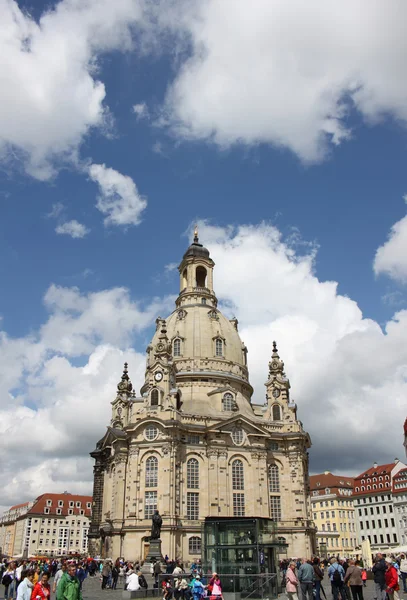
(232, 128)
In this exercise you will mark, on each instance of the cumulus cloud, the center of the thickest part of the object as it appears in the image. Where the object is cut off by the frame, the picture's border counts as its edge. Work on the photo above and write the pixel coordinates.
(119, 197)
(391, 258)
(141, 111)
(286, 73)
(50, 96)
(72, 228)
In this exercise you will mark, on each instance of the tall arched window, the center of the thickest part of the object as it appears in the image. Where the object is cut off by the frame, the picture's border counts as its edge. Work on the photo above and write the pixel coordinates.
(276, 413)
(218, 347)
(193, 474)
(200, 277)
(152, 471)
(237, 475)
(274, 478)
(176, 347)
(228, 401)
(154, 397)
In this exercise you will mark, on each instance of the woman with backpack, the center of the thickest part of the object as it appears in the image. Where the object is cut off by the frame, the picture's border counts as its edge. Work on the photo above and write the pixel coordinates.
(9, 582)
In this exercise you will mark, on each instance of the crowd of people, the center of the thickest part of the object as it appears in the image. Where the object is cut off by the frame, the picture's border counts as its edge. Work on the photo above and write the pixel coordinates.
(347, 578)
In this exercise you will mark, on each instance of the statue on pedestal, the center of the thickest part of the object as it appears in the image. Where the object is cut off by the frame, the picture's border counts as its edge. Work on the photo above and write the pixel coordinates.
(156, 526)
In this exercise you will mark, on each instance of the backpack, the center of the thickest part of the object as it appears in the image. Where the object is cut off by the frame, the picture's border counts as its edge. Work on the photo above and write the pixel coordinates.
(7, 579)
(336, 578)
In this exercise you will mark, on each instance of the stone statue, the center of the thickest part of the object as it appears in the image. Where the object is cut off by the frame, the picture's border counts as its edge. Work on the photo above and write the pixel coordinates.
(156, 526)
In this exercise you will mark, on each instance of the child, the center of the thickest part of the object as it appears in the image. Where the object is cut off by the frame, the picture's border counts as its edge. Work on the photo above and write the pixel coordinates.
(364, 576)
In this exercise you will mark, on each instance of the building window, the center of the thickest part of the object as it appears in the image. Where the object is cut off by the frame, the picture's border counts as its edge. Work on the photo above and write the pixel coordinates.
(192, 506)
(152, 471)
(49, 502)
(154, 397)
(237, 475)
(238, 505)
(193, 473)
(228, 401)
(274, 478)
(46, 511)
(194, 545)
(177, 347)
(59, 511)
(150, 504)
(276, 413)
(60, 502)
(218, 347)
(78, 505)
(151, 432)
(275, 508)
(203, 300)
(237, 436)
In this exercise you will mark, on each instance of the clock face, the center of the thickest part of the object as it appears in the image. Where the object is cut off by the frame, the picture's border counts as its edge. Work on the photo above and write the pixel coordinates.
(276, 393)
(158, 376)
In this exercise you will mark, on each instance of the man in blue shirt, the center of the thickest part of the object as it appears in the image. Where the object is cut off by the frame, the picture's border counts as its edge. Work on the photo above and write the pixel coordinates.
(336, 574)
(306, 578)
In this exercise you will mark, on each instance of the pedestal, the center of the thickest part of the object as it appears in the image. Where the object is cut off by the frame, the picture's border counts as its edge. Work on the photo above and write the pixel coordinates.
(154, 555)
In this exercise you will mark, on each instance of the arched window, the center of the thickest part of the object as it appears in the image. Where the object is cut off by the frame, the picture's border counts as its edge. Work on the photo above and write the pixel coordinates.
(184, 278)
(218, 347)
(194, 545)
(176, 347)
(237, 475)
(154, 397)
(152, 471)
(228, 401)
(276, 413)
(200, 277)
(193, 474)
(274, 478)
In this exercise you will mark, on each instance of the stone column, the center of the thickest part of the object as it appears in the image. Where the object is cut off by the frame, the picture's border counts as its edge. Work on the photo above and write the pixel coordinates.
(94, 546)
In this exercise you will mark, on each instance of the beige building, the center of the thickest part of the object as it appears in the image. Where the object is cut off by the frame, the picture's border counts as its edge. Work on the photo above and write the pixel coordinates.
(8, 527)
(334, 514)
(193, 444)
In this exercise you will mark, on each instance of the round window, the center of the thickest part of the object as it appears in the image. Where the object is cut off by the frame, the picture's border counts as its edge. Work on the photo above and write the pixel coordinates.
(237, 436)
(151, 432)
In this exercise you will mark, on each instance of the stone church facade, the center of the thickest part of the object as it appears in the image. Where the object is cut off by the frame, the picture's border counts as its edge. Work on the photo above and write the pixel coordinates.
(193, 445)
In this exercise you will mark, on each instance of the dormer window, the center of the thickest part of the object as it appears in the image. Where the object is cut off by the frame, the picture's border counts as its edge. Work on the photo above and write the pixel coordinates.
(176, 347)
(228, 401)
(218, 347)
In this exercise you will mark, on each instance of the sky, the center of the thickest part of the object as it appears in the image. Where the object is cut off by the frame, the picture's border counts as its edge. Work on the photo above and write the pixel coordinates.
(281, 129)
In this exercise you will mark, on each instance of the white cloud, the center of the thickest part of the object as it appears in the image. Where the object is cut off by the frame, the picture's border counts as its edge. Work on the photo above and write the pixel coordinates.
(50, 97)
(286, 73)
(391, 258)
(72, 228)
(141, 111)
(119, 198)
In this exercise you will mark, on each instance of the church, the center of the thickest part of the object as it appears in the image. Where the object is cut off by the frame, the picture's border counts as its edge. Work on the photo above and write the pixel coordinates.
(193, 445)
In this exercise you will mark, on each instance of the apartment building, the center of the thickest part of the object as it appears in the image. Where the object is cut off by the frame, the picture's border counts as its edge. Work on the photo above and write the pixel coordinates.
(333, 513)
(400, 505)
(8, 522)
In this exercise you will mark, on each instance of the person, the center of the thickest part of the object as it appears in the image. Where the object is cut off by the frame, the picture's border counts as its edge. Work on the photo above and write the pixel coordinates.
(132, 582)
(392, 579)
(21, 567)
(156, 572)
(26, 585)
(291, 582)
(198, 590)
(215, 586)
(336, 575)
(42, 589)
(106, 573)
(9, 581)
(318, 577)
(37, 573)
(353, 576)
(69, 585)
(403, 571)
(364, 577)
(167, 589)
(181, 588)
(115, 574)
(58, 576)
(306, 578)
(379, 570)
(142, 580)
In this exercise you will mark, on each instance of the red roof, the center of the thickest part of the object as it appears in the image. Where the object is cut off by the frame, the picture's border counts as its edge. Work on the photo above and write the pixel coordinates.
(54, 501)
(375, 480)
(19, 506)
(331, 481)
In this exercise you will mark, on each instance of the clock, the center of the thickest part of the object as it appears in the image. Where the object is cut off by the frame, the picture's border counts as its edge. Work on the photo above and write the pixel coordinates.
(158, 376)
(276, 393)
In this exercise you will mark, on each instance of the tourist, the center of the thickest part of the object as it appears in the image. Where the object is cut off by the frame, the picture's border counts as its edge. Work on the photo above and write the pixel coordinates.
(353, 576)
(9, 581)
(58, 576)
(42, 589)
(379, 570)
(392, 579)
(198, 590)
(181, 588)
(132, 581)
(215, 586)
(291, 582)
(336, 576)
(26, 585)
(364, 577)
(403, 571)
(318, 577)
(69, 585)
(37, 573)
(115, 574)
(306, 579)
(167, 589)
(106, 573)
